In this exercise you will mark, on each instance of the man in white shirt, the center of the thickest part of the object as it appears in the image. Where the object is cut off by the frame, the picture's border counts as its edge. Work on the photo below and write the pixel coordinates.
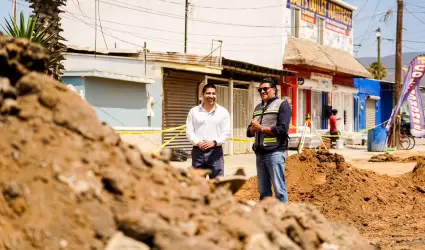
(208, 128)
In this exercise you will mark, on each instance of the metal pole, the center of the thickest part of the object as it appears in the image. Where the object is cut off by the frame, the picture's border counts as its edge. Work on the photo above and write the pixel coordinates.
(95, 28)
(379, 54)
(185, 24)
(14, 10)
(144, 54)
(398, 68)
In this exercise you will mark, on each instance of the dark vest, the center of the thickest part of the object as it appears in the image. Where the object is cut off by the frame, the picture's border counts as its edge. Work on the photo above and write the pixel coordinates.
(268, 116)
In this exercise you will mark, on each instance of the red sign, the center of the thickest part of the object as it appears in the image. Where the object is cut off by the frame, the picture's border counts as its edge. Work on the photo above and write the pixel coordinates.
(337, 29)
(308, 19)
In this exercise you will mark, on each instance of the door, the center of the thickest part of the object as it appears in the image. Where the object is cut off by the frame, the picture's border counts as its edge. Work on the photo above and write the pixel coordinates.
(180, 95)
(316, 109)
(370, 113)
(242, 114)
(349, 113)
(301, 108)
(223, 100)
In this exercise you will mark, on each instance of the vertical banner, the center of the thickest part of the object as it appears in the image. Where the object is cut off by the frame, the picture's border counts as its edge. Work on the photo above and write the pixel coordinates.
(416, 111)
(411, 84)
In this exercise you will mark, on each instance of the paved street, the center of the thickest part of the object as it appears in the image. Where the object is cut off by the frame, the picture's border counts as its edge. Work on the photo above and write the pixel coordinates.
(356, 155)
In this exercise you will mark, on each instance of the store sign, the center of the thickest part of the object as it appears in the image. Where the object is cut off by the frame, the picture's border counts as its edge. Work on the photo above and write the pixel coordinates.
(320, 76)
(337, 17)
(308, 16)
(321, 84)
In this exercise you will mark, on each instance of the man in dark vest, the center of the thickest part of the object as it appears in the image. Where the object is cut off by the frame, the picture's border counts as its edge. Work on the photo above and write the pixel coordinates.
(270, 126)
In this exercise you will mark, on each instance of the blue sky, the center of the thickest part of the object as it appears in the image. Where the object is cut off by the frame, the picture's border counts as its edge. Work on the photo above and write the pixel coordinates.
(367, 20)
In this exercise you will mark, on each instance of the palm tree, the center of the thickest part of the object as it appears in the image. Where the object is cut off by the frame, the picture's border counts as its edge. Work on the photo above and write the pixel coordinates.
(378, 72)
(48, 13)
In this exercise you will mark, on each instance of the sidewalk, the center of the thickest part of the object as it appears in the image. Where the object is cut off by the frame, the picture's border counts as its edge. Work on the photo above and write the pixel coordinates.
(351, 154)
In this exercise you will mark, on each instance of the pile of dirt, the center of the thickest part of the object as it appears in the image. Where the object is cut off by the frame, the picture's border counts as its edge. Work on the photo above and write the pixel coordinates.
(415, 158)
(385, 209)
(69, 182)
(387, 157)
(384, 158)
(303, 173)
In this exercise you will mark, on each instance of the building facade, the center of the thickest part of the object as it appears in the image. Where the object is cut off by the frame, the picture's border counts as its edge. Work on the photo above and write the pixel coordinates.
(320, 49)
(243, 30)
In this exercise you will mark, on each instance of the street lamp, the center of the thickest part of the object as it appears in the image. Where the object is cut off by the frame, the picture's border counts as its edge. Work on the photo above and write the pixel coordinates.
(378, 36)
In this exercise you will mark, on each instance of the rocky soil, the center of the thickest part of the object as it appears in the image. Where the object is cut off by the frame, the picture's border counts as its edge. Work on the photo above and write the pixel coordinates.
(387, 210)
(67, 181)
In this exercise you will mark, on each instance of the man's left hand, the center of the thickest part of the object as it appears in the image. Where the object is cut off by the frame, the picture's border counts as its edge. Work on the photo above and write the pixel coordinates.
(207, 145)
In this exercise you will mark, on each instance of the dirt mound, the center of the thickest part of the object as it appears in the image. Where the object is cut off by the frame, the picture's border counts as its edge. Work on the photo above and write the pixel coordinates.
(387, 210)
(384, 158)
(415, 158)
(303, 173)
(68, 181)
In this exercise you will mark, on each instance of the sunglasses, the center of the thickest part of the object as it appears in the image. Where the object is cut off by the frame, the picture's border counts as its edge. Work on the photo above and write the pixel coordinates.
(265, 89)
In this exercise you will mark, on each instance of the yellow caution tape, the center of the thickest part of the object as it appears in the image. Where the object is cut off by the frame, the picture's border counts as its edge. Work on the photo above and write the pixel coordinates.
(168, 142)
(149, 132)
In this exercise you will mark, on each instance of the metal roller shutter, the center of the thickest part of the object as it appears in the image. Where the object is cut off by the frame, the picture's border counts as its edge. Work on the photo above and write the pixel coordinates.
(180, 95)
(370, 113)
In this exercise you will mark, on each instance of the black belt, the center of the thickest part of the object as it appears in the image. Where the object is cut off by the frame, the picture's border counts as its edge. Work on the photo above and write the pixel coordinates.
(196, 147)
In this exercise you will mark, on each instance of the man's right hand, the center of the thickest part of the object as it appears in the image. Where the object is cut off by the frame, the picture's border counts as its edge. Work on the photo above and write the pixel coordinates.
(201, 145)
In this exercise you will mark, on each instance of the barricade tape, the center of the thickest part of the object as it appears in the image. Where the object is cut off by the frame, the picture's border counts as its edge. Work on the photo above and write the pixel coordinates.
(149, 132)
(231, 139)
(168, 142)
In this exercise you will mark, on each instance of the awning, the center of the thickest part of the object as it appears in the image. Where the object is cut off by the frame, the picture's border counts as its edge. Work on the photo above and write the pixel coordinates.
(106, 74)
(302, 52)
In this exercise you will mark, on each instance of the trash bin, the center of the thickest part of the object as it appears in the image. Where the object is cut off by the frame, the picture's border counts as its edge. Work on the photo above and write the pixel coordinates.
(376, 139)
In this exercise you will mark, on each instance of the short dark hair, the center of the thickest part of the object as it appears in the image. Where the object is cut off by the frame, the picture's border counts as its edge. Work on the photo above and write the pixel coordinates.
(208, 86)
(271, 82)
(334, 111)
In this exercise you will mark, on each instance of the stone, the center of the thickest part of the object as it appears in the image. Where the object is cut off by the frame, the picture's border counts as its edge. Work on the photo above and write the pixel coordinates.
(121, 242)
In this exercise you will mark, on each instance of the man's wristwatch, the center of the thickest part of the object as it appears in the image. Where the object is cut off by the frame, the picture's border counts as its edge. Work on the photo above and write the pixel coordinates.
(215, 143)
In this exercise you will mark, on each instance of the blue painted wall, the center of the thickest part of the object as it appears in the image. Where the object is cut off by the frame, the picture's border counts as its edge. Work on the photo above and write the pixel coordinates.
(387, 100)
(77, 82)
(121, 103)
(368, 87)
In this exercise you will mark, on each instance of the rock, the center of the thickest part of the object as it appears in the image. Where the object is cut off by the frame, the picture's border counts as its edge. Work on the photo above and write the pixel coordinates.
(12, 191)
(120, 242)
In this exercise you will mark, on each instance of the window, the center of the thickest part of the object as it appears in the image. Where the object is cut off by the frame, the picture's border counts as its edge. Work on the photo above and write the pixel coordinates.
(320, 29)
(295, 22)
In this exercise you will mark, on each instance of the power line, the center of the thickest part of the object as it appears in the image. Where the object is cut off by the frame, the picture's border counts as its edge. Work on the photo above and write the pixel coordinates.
(368, 26)
(154, 12)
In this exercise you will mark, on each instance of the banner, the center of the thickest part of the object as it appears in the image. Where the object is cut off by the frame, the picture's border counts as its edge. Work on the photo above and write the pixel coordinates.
(411, 85)
(339, 15)
(416, 111)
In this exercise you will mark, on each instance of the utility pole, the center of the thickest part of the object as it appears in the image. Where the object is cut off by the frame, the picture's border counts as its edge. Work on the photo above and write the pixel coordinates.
(378, 36)
(14, 10)
(186, 10)
(398, 70)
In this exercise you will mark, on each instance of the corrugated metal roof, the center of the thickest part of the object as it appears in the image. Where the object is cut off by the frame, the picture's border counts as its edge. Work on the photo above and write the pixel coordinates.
(308, 53)
(175, 57)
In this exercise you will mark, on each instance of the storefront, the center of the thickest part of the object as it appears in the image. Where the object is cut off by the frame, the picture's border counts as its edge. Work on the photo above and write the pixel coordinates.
(324, 82)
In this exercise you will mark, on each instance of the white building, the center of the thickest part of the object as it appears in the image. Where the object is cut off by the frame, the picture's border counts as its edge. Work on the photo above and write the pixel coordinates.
(250, 30)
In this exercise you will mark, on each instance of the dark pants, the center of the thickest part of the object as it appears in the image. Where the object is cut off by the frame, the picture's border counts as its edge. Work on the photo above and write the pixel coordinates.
(335, 135)
(212, 160)
(271, 172)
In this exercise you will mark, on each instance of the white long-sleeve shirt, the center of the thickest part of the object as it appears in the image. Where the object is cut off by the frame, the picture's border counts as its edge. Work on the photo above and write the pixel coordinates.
(202, 125)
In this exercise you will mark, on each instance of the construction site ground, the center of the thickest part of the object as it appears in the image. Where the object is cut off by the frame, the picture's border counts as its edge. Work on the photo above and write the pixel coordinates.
(358, 156)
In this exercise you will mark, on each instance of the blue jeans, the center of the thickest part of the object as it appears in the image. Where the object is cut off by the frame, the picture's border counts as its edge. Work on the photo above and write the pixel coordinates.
(271, 171)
